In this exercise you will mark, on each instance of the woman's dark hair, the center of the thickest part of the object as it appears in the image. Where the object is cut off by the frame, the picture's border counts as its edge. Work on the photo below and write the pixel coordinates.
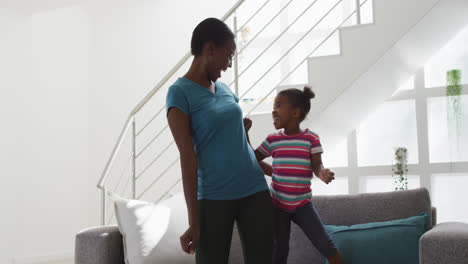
(300, 99)
(210, 29)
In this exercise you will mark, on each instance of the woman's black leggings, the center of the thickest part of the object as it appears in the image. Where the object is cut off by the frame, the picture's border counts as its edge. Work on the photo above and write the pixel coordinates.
(254, 217)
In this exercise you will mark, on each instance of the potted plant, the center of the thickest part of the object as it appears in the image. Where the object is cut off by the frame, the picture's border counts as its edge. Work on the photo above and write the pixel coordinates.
(454, 109)
(400, 169)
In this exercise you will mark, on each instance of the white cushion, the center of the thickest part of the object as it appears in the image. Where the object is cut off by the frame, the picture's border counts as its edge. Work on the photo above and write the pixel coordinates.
(151, 231)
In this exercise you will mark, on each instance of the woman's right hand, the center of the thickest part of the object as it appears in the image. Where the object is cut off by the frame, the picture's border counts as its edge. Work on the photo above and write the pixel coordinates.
(189, 240)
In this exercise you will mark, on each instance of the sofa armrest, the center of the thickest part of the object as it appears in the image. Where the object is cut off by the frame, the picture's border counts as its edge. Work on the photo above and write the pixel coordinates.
(433, 216)
(445, 243)
(99, 245)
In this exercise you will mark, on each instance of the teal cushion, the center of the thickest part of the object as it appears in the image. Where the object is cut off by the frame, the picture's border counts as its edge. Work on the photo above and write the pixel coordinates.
(388, 242)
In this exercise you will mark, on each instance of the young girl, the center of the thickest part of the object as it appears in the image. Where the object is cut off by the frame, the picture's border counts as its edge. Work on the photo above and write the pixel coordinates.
(296, 156)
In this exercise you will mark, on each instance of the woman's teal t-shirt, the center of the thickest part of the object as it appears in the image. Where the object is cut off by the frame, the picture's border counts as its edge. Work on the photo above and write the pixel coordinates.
(227, 167)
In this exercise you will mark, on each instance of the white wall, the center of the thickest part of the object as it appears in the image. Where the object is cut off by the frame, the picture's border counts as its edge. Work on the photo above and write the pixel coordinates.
(44, 131)
(16, 125)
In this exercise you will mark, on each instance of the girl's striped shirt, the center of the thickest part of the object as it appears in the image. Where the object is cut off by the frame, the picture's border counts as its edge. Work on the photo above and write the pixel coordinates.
(292, 168)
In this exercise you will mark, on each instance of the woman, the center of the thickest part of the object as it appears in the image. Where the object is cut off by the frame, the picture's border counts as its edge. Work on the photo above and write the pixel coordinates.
(222, 180)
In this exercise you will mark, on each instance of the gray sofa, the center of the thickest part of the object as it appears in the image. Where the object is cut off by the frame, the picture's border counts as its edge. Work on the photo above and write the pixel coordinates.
(443, 243)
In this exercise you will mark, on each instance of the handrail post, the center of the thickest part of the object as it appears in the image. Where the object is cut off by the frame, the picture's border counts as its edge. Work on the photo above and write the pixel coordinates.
(236, 60)
(358, 12)
(103, 206)
(133, 159)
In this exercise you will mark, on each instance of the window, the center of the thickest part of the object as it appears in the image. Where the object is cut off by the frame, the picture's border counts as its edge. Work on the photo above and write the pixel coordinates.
(444, 143)
(449, 196)
(336, 156)
(392, 125)
(384, 183)
(338, 186)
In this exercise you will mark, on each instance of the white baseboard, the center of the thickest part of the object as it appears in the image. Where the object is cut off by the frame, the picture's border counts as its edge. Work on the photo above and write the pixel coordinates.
(59, 258)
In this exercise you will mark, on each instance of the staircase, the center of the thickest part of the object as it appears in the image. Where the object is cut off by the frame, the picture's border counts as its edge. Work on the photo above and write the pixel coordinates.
(290, 40)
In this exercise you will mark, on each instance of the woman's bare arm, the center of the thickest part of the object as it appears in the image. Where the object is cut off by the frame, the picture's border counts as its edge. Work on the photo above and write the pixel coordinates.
(180, 127)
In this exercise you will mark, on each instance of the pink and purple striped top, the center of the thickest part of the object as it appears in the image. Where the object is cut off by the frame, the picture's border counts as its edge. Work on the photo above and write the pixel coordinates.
(292, 168)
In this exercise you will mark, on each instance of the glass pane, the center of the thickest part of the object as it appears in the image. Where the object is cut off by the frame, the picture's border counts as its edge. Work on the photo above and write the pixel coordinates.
(448, 194)
(384, 183)
(446, 144)
(336, 156)
(391, 125)
(453, 56)
(338, 186)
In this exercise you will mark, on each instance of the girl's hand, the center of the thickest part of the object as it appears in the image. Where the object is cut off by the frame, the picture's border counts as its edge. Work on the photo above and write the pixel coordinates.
(326, 176)
(247, 124)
